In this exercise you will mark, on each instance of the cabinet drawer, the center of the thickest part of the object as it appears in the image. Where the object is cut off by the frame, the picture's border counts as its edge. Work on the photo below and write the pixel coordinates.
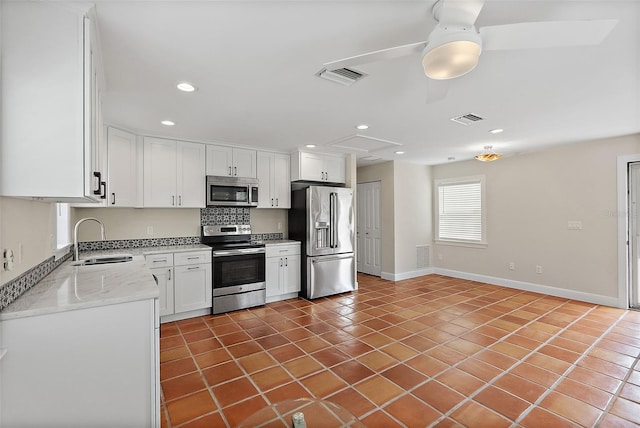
(192, 258)
(159, 260)
(282, 250)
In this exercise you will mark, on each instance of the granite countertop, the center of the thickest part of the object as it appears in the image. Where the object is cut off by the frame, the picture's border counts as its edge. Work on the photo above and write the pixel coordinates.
(280, 242)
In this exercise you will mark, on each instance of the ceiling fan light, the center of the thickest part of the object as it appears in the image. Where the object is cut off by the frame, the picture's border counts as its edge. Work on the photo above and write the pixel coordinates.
(451, 60)
(489, 155)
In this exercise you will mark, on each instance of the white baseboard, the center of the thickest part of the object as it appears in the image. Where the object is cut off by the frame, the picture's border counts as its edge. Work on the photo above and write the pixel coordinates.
(406, 275)
(536, 288)
(185, 315)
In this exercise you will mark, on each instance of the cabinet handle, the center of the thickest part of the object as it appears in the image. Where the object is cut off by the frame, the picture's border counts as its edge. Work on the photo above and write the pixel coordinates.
(229, 170)
(169, 277)
(286, 261)
(173, 201)
(277, 203)
(194, 268)
(193, 258)
(271, 201)
(280, 262)
(235, 171)
(180, 200)
(160, 261)
(113, 198)
(103, 193)
(98, 176)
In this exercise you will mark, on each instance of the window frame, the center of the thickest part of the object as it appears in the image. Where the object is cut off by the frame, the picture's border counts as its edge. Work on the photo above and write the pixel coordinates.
(482, 243)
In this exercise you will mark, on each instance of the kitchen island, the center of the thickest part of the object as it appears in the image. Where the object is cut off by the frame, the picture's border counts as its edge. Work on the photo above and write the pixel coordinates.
(82, 349)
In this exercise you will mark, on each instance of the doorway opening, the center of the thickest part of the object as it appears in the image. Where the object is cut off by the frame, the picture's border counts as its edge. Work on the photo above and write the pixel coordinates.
(633, 228)
(368, 229)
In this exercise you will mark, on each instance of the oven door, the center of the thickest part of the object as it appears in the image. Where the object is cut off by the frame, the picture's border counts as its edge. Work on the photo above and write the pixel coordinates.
(230, 272)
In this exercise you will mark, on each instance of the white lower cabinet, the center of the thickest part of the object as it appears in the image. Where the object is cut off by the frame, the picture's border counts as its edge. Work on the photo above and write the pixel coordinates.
(282, 271)
(82, 368)
(185, 283)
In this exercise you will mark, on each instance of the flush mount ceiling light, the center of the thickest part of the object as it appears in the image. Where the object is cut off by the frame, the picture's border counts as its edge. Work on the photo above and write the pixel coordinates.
(489, 155)
(186, 87)
(363, 126)
(451, 53)
(311, 146)
(399, 152)
(496, 131)
(168, 123)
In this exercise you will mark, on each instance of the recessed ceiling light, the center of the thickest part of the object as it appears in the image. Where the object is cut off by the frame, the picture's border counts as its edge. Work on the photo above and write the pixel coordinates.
(168, 123)
(363, 126)
(399, 152)
(496, 131)
(311, 146)
(451, 158)
(186, 87)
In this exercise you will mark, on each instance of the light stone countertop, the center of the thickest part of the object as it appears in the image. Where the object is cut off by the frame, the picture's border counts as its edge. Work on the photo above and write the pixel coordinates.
(71, 287)
(280, 242)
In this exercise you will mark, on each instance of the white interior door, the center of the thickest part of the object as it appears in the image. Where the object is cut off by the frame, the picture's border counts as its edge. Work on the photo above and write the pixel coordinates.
(369, 247)
(634, 235)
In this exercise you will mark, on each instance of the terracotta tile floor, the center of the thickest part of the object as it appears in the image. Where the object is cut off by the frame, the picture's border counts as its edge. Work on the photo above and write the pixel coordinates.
(430, 351)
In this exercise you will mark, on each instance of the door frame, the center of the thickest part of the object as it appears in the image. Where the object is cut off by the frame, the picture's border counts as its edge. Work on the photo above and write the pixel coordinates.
(622, 218)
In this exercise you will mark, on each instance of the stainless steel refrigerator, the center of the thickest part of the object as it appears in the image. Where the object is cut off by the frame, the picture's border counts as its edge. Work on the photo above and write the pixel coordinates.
(322, 218)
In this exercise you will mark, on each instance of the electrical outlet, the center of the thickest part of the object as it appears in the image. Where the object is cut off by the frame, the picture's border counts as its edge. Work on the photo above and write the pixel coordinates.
(512, 266)
(279, 225)
(574, 225)
(149, 230)
(538, 269)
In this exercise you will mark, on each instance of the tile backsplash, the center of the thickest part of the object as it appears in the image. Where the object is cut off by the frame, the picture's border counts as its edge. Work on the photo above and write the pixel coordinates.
(214, 216)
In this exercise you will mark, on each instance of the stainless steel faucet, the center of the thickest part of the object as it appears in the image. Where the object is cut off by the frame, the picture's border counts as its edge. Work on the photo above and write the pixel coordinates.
(75, 234)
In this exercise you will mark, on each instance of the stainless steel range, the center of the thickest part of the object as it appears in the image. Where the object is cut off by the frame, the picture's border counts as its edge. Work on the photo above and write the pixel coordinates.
(238, 268)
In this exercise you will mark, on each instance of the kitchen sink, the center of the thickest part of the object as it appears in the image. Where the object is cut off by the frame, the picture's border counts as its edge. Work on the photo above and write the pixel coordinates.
(101, 260)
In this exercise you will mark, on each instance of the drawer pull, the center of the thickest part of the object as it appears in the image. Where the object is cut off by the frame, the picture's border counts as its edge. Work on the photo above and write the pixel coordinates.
(160, 261)
(194, 268)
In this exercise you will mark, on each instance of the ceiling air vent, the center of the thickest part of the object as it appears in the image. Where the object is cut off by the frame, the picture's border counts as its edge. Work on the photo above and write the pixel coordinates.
(344, 76)
(467, 119)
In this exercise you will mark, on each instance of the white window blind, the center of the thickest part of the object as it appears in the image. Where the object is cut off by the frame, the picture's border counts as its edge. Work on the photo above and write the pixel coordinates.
(460, 214)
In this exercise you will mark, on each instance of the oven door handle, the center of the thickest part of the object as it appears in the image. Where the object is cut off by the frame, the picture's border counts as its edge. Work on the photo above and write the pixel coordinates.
(251, 250)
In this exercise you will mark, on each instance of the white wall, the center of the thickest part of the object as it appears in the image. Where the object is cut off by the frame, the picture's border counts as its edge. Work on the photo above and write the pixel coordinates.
(529, 200)
(26, 224)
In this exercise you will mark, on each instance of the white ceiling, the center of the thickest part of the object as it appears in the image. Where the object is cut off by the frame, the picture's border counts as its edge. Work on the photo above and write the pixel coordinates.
(254, 63)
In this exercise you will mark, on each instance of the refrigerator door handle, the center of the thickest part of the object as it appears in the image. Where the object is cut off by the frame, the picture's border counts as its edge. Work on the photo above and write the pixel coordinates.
(332, 216)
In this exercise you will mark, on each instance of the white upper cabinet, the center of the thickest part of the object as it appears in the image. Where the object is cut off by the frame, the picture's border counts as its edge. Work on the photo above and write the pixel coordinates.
(320, 167)
(174, 174)
(231, 162)
(273, 179)
(122, 168)
(51, 94)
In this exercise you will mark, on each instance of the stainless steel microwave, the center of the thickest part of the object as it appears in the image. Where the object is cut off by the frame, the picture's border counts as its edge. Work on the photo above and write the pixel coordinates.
(232, 192)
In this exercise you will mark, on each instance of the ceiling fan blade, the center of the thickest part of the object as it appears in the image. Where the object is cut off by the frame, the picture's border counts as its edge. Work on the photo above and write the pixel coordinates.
(457, 12)
(532, 35)
(381, 55)
(437, 90)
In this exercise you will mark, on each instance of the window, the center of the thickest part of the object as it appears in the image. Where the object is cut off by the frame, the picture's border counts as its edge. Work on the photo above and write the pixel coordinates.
(62, 241)
(460, 210)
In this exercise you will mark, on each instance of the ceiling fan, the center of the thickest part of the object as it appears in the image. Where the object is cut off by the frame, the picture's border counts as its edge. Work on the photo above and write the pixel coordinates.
(454, 46)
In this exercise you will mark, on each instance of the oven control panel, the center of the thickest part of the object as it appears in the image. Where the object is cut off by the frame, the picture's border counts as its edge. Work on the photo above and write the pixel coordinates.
(222, 230)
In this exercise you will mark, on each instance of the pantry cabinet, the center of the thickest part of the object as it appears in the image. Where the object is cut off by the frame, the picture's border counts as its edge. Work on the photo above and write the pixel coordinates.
(282, 271)
(231, 162)
(52, 98)
(274, 182)
(320, 167)
(185, 283)
(174, 174)
(122, 168)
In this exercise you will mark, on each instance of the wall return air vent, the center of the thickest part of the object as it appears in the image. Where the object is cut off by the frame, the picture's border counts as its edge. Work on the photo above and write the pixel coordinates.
(343, 76)
(467, 119)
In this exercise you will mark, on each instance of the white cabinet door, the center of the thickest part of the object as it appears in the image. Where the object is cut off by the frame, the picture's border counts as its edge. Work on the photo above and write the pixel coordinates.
(312, 167)
(273, 176)
(244, 163)
(265, 179)
(335, 169)
(281, 185)
(48, 122)
(192, 287)
(291, 274)
(160, 169)
(164, 276)
(190, 175)
(219, 161)
(272, 275)
(122, 168)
